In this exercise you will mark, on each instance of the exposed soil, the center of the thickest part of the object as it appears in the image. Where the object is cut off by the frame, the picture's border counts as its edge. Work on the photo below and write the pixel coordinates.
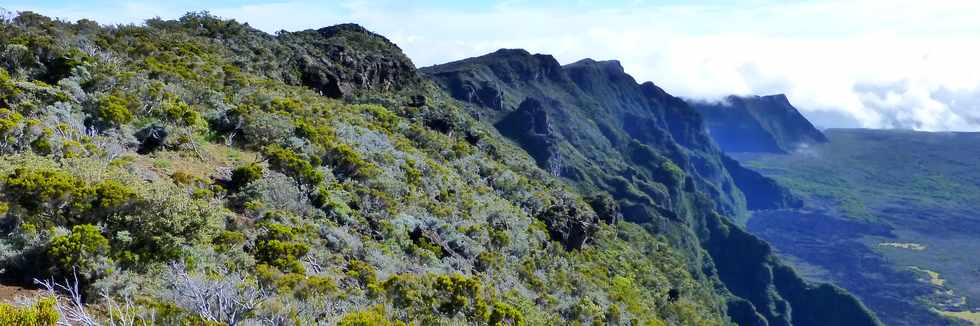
(10, 292)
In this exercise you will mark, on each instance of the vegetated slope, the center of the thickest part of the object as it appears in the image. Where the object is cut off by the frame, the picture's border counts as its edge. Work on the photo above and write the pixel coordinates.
(199, 170)
(883, 207)
(768, 124)
(591, 124)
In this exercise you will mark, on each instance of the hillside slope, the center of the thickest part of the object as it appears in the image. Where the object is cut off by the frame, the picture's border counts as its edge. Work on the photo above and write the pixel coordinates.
(767, 124)
(198, 171)
(593, 125)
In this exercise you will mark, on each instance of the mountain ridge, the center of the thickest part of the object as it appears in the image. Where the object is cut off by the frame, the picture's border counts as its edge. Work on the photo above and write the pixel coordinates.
(757, 124)
(608, 114)
(318, 175)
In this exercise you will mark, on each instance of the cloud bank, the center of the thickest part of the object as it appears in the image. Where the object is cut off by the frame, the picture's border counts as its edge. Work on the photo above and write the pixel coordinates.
(873, 64)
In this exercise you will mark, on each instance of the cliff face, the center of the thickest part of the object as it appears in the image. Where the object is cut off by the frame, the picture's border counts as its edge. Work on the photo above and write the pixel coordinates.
(338, 60)
(757, 124)
(593, 125)
(762, 192)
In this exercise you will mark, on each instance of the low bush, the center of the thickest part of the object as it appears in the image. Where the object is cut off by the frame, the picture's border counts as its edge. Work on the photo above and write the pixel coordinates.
(83, 252)
(278, 247)
(288, 162)
(374, 316)
(244, 175)
(41, 313)
(113, 111)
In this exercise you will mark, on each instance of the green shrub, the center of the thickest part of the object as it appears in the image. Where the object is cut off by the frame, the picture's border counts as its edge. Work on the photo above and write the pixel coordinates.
(228, 240)
(412, 173)
(46, 193)
(671, 174)
(447, 294)
(298, 285)
(489, 260)
(180, 112)
(286, 104)
(374, 316)
(113, 110)
(325, 199)
(363, 272)
(499, 238)
(162, 220)
(243, 175)
(278, 247)
(62, 66)
(505, 315)
(42, 144)
(10, 123)
(112, 196)
(342, 157)
(288, 162)
(8, 91)
(348, 162)
(81, 251)
(41, 313)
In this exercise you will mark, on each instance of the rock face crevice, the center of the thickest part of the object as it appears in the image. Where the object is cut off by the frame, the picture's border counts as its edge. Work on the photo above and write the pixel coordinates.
(653, 154)
(529, 125)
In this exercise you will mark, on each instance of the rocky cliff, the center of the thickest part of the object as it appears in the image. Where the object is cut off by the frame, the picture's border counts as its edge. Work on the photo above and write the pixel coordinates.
(606, 133)
(757, 124)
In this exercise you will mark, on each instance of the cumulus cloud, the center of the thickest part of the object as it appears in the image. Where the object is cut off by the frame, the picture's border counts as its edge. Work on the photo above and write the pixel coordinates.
(867, 63)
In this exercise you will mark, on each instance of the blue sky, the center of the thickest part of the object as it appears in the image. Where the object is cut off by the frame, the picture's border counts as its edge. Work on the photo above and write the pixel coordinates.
(868, 63)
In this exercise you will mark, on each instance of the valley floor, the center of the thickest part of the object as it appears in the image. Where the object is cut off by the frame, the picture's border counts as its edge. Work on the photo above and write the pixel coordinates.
(890, 216)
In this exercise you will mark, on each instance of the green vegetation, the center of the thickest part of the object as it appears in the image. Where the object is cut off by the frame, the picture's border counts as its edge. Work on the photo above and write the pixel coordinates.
(41, 313)
(83, 251)
(244, 175)
(162, 162)
(113, 110)
(277, 246)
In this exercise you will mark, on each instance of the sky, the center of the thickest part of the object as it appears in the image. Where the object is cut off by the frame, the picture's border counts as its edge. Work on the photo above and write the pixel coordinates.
(854, 63)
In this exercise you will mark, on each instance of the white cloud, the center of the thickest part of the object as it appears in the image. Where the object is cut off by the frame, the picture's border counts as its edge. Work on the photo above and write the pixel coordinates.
(871, 63)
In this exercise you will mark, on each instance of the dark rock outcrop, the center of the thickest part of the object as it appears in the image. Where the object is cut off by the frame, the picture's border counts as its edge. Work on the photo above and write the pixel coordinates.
(570, 224)
(340, 60)
(151, 138)
(529, 126)
(767, 124)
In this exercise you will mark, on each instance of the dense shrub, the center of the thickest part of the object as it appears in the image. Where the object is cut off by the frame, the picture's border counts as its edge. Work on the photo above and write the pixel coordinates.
(180, 112)
(48, 196)
(505, 315)
(41, 313)
(7, 88)
(244, 175)
(287, 161)
(113, 110)
(447, 294)
(83, 251)
(10, 127)
(112, 196)
(278, 246)
(374, 316)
